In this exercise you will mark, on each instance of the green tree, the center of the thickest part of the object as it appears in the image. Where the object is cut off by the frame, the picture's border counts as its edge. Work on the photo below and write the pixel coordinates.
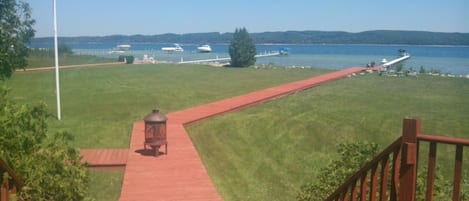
(50, 168)
(15, 33)
(242, 49)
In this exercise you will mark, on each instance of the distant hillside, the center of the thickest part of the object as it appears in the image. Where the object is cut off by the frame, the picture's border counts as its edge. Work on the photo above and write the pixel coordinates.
(287, 37)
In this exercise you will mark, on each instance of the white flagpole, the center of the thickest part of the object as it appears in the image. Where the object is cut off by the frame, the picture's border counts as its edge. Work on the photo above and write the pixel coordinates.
(56, 61)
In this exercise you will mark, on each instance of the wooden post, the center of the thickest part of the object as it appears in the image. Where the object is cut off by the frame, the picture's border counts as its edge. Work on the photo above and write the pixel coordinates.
(4, 187)
(408, 171)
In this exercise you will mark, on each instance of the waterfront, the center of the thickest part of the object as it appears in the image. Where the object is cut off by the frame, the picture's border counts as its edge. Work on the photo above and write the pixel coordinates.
(447, 59)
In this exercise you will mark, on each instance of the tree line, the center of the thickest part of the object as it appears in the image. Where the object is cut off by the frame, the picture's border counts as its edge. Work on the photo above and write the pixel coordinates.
(284, 37)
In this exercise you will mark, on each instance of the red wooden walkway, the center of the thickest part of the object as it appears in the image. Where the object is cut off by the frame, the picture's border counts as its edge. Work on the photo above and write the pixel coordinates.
(180, 175)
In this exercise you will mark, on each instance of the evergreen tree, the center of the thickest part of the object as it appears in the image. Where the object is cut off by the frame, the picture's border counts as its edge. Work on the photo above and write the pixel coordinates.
(15, 32)
(242, 49)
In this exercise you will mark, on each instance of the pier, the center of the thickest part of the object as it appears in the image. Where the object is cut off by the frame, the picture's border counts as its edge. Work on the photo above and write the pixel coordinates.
(402, 58)
(227, 59)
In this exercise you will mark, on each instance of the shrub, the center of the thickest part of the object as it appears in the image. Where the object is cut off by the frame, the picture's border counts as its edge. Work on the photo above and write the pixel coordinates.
(50, 168)
(352, 157)
(129, 59)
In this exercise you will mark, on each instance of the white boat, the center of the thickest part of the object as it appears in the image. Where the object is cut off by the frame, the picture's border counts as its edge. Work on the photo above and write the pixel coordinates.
(204, 48)
(123, 47)
(176, 48)
(116, 52)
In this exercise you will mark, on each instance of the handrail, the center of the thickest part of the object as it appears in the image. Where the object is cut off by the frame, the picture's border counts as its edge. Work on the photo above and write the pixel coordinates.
(5, 189)
(403, 169)
(443, 139)
(4, 166)
(395, 146)
(434, 140)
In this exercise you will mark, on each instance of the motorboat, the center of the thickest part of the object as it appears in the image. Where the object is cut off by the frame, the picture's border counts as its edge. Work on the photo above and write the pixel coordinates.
(116, 52)
(123, 47)
(204, 48)
(176, 48)
(284, 51)
(120, 49)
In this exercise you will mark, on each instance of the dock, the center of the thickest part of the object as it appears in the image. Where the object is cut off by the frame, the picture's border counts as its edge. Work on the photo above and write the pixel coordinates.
(227, 59)
(402, 58)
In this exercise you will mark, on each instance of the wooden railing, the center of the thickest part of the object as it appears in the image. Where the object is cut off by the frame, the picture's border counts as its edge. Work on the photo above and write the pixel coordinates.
(10, 182)
(396, 168)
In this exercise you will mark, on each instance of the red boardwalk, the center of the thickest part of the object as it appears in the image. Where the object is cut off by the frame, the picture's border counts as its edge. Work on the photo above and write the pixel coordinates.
(180, 175)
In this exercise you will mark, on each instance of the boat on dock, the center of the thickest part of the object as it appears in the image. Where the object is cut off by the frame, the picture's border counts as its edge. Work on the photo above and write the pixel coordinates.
(176, 48)
(204, 48)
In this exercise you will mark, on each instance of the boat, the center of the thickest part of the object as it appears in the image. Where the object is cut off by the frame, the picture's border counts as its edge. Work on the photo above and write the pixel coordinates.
(204, 48)
(123, 47)
(120, 49)
(116, 52)
(284, 51)
(176, 48)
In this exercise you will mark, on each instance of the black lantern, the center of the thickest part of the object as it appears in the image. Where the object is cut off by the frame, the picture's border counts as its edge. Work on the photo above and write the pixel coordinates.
(155, 131)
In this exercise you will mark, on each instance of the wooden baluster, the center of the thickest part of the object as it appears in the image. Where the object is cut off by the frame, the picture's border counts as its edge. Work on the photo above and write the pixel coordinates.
(4, 187)
(374, 182)
(384, 178)
(457, 173)
(363, 186)
(396, 166)
(431, 172)
(346, 197)
(354, 192)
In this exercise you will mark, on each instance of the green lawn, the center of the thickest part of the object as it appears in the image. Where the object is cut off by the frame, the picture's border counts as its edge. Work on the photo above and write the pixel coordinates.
(260, 153)
(44, 59)
(267, 152)
(106, 185)
(99, 105)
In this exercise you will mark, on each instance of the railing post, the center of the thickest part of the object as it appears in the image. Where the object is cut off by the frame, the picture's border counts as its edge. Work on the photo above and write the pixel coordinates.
(408, 171)
(4, 188)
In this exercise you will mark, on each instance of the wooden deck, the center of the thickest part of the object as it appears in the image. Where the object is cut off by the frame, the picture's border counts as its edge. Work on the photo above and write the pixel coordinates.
(105, 159)
(181, 175)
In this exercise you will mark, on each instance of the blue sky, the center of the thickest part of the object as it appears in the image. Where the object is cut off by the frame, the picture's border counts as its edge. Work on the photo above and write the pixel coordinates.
(149, 17)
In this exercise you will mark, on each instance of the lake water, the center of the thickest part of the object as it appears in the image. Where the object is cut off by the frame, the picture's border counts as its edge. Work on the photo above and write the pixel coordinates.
(447, 59)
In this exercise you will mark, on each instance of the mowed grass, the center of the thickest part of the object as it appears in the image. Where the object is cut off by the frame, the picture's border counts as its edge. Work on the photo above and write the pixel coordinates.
(262, 153)
(45, 59)
(100, 105)
(268, 151)
(106, 185)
